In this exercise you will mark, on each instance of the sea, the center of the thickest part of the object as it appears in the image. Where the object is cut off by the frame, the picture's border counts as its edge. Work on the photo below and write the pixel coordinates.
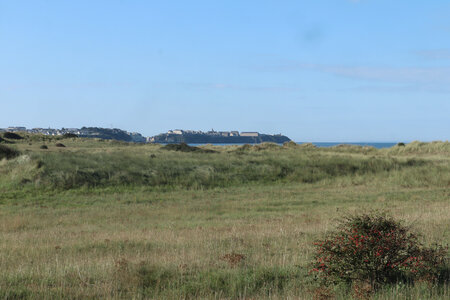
(328, 144)
(375, 145)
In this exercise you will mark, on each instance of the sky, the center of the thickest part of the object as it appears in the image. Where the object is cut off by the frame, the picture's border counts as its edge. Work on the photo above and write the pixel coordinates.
(317, 71)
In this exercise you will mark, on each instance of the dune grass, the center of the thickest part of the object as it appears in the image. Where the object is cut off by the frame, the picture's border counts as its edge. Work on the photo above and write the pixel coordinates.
(8, 152)
(103, 219)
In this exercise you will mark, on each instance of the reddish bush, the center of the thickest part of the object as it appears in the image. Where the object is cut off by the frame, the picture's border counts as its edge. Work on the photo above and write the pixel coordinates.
(375, 249)
(233, 259)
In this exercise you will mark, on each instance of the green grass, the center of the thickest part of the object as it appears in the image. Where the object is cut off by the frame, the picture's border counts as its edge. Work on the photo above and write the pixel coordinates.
(104, 219)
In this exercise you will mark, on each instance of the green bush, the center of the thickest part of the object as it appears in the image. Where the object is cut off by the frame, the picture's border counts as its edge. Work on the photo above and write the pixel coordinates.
(8, 153)
(376, 250)
(70, 135)
(183, 147)
(12, 136)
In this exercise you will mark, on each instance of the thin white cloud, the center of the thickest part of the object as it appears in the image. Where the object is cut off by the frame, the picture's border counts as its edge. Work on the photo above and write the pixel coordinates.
(391, 74)
(75, 86)
(387, 74)
(225, 86)
(435, 54)
(408, 88)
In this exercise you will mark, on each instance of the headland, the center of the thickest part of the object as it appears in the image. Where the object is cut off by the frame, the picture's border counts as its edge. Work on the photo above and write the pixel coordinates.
(216, 137)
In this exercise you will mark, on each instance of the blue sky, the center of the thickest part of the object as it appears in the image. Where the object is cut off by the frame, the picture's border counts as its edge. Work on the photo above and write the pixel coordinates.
(336, 70)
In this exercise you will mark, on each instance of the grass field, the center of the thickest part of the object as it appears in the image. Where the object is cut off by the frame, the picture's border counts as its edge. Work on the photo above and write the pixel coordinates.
(104, 219)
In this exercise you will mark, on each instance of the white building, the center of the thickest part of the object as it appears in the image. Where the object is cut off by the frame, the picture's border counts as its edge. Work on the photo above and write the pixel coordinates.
(18, 128)
(176, 131)
(255, 134)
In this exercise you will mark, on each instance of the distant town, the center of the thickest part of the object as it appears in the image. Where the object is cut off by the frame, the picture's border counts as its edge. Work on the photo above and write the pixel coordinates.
(88, 132)
(171, 136)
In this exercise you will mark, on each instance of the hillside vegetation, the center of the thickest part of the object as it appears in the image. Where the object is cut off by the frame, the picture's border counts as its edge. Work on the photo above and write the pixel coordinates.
(112, 219)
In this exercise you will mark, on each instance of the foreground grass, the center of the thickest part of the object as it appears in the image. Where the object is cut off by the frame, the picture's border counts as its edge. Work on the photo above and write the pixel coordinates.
(201, 238)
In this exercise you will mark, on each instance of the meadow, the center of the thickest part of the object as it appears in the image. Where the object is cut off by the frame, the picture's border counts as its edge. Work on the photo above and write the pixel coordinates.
(105, 219)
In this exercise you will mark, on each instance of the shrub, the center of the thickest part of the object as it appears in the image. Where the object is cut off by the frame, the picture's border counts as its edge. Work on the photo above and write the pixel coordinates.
(60, 145)
(8, 153)
(374, 249)
(43, 147)
(183, 147)
(69, 135)
(401, 144)
(12, 136)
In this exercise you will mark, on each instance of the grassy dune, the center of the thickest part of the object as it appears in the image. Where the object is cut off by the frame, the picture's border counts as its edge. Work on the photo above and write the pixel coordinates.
(102, 219)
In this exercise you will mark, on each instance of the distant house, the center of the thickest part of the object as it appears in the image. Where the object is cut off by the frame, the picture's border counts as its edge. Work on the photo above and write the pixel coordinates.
(224, 133)
(255, 134)
(234, 133)
(176, 131)
(17, 128)
(213, 132)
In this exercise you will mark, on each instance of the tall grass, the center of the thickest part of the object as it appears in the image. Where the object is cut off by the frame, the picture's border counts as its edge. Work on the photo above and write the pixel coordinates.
(7, 152)
(417, 147)
(100, 219)
(153, 167)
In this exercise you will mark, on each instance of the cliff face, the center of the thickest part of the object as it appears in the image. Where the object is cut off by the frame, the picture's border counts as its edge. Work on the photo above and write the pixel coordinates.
(111, 134)
(105, 133)
(167, 138)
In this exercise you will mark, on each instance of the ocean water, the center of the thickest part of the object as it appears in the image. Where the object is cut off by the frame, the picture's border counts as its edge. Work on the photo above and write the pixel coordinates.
(326, 144)
(375, 145)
